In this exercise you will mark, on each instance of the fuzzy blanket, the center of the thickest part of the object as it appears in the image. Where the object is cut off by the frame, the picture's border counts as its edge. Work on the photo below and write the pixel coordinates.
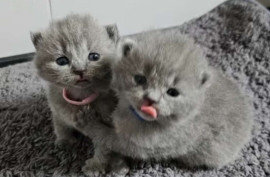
(235, 37)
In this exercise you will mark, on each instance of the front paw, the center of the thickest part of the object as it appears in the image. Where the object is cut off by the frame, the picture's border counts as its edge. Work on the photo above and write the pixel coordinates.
(140, 164)
(85, 115)
(81, 118)
(94, 167)
(119, 168)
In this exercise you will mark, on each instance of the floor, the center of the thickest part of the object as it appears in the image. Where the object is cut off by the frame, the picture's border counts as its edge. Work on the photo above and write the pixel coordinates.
(15, 59)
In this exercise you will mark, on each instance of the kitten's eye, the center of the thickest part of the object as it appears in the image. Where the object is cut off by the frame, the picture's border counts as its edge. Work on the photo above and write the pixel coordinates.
(62, 61)
(172, 92)
(93, 56)
(139, 79)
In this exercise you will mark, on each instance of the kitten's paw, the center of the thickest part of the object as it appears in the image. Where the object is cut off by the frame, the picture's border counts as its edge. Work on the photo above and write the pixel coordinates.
(121, 171)
(166, 164)
(118, 167)
(81, 119)
(140, 164)
(94, 167)
(91, 173)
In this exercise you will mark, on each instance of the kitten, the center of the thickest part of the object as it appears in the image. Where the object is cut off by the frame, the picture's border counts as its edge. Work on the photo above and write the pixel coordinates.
(173, 105)
(74, 56)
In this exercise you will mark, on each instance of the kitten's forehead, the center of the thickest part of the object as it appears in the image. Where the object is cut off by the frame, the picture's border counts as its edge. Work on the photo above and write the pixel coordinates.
(75, 32)
(161, 73)
(166, 57)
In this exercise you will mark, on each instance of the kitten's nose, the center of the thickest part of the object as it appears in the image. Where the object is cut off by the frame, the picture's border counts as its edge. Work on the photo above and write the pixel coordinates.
(79, 72)
(152, 96)
(150, 101)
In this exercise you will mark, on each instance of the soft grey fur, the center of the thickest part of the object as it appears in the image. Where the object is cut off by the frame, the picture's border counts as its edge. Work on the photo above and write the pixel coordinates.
(235, 37)
(205, 125)
(75, 36)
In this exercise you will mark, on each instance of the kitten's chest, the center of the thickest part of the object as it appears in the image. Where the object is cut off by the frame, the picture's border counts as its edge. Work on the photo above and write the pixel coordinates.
(100, 109)
(104, 107)
(141, 133)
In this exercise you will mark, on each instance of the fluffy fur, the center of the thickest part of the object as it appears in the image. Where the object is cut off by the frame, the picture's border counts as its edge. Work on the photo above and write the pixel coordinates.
(205, 125)
(75, 37)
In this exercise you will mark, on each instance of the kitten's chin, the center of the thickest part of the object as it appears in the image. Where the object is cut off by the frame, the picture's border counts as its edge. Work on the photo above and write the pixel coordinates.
(90, 87)
(81, 87)
(82, 84)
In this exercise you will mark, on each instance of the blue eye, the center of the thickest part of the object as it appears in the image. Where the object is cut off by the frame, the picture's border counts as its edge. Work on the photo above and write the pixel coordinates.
(62, 61)
(93, 56)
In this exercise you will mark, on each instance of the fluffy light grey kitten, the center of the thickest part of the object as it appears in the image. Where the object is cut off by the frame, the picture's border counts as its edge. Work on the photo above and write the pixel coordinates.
(173, 105)
(74, 56)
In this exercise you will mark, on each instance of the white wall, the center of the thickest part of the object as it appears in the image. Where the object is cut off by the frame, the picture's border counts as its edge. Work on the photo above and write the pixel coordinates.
(133, 16)
(17, 19)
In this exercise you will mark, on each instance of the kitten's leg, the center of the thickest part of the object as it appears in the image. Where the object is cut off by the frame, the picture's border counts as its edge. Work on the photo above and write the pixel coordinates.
(140, 164)
(104, 161)
(98, 163)
(118, 166)
(64, 133)
(108, 138)
(207, 158)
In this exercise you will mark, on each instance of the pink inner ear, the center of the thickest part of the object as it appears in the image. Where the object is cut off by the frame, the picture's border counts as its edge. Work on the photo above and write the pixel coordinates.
(150, 110)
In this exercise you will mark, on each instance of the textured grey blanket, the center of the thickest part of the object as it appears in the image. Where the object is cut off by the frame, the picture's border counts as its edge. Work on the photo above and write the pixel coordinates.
(236, 39)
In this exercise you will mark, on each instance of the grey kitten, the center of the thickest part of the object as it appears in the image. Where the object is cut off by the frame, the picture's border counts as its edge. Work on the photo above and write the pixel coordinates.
(74, 57)
(173, 105)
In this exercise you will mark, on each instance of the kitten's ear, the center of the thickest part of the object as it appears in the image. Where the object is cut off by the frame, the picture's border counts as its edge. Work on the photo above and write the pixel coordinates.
(36, 37)
(112, 31)
(126, 47)
(205, 79)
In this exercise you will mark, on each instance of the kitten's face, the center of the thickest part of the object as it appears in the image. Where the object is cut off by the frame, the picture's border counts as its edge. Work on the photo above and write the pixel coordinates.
(168, 75)
(76, 52)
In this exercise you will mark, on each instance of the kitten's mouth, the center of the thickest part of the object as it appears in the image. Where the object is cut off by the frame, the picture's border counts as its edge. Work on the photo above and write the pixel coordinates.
(82, 80)
(149, 111)
(82, 83)
(85, 101)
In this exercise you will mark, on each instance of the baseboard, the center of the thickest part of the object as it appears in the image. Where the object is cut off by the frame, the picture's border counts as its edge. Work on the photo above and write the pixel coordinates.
(15, 59)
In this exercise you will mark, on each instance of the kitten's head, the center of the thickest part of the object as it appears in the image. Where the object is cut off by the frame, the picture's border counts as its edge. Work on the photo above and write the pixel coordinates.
(76, 52)
(165, 71)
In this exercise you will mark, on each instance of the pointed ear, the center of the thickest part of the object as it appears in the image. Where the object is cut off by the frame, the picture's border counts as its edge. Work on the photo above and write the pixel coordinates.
(125, 47)
(36, 37)
(112, 31)
(205, 79)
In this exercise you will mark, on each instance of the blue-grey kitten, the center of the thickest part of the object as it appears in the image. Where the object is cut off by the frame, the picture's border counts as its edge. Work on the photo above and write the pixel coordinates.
(74, 57)
(173, 105)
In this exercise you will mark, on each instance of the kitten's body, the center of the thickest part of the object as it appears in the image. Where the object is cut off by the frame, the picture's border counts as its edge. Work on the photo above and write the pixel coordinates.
(206, 125)
(74, 38)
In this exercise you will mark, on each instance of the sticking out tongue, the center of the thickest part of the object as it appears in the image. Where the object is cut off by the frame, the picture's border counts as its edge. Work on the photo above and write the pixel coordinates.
(149, 110)
(85, 101)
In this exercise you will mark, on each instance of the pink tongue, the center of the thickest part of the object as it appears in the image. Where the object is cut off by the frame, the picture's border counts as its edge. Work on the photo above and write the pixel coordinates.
(85, 101)
(150, 110)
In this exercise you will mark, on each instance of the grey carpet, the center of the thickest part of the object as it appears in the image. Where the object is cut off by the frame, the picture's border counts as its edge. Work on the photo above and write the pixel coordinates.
(235, 37)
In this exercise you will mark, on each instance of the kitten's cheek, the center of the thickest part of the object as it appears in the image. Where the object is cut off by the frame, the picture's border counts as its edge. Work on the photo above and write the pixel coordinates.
(164, 110)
